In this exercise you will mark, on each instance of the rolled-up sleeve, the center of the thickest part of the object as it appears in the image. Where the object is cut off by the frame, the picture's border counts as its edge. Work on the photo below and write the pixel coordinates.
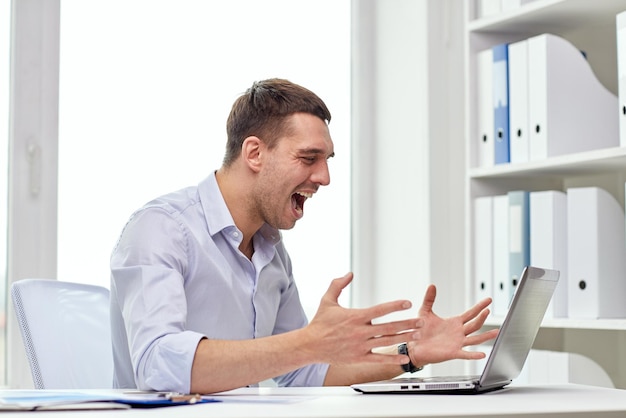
(149, 290)
(311, 375)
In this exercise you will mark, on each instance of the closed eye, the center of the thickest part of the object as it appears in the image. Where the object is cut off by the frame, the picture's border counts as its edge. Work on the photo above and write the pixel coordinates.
(310, 156)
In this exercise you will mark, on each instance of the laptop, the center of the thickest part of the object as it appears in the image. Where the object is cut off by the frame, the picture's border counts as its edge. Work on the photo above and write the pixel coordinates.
(510, 348)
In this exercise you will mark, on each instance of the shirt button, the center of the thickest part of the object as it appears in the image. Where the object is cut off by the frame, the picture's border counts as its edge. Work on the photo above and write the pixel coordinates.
(236, 234)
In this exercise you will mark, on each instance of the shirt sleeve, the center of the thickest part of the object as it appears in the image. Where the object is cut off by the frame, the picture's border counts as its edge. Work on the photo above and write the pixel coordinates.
(146, 271)
(291, 316)
(311, 375)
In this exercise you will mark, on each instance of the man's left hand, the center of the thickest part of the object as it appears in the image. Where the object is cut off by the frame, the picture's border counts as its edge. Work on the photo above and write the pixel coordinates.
(443, 339)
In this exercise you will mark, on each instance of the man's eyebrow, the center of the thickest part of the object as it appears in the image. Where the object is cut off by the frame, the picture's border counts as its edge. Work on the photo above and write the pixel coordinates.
(315, 151)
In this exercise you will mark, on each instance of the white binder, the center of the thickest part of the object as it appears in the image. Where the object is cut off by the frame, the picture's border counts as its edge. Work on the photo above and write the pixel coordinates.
(509, 5)
(519, 236)
(483, 247)
(570, 110)
(596, 237)
(485, 8)
(518, 101)
(548, 242)
(501, 282)
(621, 75)
(484, 128)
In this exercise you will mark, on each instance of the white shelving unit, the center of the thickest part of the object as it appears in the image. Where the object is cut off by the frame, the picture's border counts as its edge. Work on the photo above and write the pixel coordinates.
(590, 26)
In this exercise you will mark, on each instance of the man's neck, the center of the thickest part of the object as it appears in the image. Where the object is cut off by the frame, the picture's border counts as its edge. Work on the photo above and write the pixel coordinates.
(234, 189)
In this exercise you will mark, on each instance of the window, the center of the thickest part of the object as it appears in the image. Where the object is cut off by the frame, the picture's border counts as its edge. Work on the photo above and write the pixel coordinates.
(5, 33)
(145, 90)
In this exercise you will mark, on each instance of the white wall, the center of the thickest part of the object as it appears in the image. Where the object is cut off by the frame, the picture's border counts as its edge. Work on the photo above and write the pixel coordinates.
(408, 154)
(446, 106)
(390, 152)
(407, 209)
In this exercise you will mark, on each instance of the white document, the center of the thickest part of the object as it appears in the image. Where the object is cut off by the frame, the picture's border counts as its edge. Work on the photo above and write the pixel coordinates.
(548, 242)
(621, 74)
(518, 101)
(501, 282)
(484, 139)
(570, 110)
(483, 247)
(596, 236)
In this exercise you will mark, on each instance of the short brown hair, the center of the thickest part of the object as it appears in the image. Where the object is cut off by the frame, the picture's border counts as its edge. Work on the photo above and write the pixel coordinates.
(263, 110)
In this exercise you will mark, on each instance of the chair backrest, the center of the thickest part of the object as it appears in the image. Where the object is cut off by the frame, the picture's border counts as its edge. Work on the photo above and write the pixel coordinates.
(66, 332)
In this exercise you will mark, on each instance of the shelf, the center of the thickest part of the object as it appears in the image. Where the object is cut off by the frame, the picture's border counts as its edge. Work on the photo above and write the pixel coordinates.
(591, 27)
(568, 323)
(608, 160)
(551, 15)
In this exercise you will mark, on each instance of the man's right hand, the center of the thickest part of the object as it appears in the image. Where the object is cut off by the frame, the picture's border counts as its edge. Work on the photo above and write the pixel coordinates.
(341, 336)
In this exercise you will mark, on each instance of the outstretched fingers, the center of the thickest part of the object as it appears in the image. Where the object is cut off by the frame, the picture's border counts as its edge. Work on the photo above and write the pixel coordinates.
(429, 301)
(337, 285)
(472, 340)
(475, 310)
(387, 332)
(386, 308)
(473, 320)
(476, 323)
(393, 333)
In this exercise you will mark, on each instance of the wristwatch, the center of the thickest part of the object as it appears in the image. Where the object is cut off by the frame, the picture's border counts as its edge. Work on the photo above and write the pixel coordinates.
(409, 367)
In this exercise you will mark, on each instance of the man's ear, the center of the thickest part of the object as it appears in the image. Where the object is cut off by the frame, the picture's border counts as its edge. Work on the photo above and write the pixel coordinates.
(251, 152)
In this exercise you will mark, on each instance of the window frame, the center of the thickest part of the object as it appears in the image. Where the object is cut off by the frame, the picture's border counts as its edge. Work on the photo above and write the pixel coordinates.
(33, 151)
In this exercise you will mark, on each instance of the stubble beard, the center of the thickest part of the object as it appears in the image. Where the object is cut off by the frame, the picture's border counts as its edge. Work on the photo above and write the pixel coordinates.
(270, 205)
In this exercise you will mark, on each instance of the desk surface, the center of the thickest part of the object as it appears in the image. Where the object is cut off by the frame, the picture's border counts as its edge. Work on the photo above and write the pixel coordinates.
(342, 402)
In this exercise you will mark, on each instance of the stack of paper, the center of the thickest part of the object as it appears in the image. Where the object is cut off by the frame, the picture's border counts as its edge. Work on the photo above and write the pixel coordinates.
(40, 400)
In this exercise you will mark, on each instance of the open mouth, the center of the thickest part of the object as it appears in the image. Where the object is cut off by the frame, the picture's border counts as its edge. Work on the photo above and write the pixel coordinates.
(297, 202)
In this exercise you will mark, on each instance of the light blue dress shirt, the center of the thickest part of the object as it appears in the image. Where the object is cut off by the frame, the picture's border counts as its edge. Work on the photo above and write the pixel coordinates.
(177, 276)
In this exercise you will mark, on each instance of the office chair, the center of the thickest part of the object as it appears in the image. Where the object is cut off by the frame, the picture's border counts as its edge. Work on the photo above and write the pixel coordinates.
(66, 332)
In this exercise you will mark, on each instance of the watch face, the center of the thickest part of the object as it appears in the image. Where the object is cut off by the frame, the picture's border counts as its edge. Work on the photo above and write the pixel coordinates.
(409, 367)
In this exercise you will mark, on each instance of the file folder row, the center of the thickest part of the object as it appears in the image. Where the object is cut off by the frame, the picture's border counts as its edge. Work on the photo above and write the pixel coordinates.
(539, 98)
(581, 233)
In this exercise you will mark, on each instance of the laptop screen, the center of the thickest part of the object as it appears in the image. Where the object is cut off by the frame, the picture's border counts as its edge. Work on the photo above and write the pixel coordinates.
(519, 329)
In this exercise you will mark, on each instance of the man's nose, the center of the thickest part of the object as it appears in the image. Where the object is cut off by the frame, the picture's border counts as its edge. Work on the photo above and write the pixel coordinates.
(322, 175)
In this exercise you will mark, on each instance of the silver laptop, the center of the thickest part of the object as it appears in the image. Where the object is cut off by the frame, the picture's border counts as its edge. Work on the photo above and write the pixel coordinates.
(510, 348)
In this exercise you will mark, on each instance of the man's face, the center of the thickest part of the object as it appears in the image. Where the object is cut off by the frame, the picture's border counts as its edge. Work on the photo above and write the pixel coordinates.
(293, 171)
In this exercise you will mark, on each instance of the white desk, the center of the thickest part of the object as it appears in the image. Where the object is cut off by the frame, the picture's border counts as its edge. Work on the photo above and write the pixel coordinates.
(341, 402)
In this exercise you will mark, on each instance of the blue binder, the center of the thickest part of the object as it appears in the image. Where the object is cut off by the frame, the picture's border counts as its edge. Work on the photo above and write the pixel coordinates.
(501, 103)
(60, 400)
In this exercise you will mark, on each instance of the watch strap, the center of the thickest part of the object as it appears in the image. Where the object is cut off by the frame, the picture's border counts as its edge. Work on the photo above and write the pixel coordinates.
(409, 367)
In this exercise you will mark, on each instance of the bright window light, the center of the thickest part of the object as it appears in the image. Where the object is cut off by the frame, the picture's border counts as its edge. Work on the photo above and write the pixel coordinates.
(145, 90)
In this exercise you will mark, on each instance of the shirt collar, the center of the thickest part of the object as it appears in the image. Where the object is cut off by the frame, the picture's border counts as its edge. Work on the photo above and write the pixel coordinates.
(218, 217)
